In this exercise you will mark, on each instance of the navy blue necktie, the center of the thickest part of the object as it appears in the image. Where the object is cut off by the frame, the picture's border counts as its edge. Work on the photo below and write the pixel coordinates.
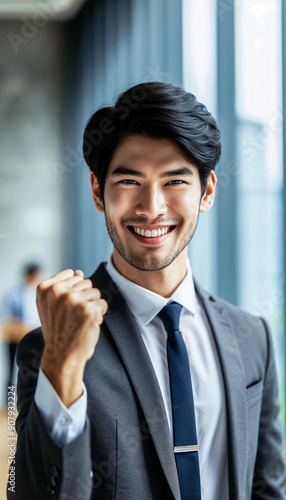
(184, 422)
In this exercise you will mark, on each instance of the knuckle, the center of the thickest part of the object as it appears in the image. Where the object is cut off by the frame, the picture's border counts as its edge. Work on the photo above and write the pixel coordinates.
(82, 309)
(91, 306)
(104, 305)
(94, 309)
(88, 282)
(70, 298)
(99, 311)
(40, 287)
(98, 317)
(96, 294)
(55, 290)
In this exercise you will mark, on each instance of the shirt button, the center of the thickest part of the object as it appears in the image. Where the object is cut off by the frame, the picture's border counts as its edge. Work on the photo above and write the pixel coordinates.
(64, 420)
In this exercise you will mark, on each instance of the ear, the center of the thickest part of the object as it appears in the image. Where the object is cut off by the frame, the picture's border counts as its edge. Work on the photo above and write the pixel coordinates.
(99, 205)
(209, 194)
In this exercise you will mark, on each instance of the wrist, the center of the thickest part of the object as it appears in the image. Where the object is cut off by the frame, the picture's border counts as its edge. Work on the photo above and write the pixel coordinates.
(66, 379)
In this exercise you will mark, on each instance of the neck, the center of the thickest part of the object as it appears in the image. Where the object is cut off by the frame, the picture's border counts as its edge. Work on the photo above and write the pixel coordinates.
(163, 282)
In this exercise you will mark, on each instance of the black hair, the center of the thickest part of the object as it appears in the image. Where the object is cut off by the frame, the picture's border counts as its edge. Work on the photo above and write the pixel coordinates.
(31, 269)
(157, 110)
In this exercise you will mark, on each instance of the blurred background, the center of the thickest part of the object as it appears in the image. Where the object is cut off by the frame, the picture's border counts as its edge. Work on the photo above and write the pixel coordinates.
(62, 59)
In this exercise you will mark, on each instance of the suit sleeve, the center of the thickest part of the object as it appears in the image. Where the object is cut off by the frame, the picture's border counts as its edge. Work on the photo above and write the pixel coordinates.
(269, 480)
(43, 470)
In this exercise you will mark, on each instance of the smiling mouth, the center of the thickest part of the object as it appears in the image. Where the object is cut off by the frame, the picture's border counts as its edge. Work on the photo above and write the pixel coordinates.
(151, 233)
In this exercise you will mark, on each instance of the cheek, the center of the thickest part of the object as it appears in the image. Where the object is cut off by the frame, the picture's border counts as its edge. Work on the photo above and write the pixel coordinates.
(185, 203)
(119, 203)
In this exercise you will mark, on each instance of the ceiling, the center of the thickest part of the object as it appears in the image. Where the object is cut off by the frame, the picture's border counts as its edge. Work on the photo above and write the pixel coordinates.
(54, 10)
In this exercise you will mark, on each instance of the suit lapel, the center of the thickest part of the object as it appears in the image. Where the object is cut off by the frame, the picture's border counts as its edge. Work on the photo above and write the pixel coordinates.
(234, 381)
(132, 350)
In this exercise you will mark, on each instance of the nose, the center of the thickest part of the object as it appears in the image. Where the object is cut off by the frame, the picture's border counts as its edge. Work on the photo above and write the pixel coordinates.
(151, 203)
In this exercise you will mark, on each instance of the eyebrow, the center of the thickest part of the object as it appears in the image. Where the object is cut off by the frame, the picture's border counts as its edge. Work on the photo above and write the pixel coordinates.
(170, 173)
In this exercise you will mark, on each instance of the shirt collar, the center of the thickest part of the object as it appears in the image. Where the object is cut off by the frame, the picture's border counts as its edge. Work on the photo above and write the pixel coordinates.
(144, 304)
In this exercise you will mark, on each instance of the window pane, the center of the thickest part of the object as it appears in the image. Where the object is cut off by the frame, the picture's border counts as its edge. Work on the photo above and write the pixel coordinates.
(199, 78)
(260, 154)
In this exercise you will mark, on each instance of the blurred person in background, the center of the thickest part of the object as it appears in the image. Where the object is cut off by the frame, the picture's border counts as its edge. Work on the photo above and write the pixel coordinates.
(20, 313)
(140, 384)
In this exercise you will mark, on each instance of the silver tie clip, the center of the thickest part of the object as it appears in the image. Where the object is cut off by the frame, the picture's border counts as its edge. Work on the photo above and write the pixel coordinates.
(185, 449)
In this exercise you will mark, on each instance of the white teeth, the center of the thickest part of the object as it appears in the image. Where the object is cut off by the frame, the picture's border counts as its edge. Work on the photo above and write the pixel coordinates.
(152, 234)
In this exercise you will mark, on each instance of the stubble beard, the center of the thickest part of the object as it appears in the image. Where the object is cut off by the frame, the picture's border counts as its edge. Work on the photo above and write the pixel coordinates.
(152, 262)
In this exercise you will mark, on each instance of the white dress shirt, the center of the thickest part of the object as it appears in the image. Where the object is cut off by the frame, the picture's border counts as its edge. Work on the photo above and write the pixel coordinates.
(208, 389)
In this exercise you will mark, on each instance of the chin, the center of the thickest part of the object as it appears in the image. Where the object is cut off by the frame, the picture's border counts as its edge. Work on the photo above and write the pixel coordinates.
(150, 263)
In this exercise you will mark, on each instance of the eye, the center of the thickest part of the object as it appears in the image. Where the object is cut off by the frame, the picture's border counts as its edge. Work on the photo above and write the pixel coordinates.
(176, 182)
(127, 181)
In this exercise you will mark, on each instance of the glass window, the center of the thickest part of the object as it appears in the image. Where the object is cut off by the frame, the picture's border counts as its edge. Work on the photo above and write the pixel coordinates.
(257, 283)
(199, 78)
(258, 66)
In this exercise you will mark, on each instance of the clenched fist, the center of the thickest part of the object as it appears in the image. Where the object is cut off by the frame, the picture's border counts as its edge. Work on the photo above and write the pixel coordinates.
(71, 312)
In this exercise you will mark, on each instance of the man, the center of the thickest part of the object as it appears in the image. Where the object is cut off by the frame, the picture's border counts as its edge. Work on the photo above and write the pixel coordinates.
(20, 312)
(142, 386)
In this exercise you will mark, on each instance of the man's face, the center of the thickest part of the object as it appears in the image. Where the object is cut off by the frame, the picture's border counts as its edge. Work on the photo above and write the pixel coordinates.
(152, 201)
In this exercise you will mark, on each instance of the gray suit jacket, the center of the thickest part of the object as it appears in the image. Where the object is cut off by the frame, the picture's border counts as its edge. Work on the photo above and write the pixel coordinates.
(125, 451)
